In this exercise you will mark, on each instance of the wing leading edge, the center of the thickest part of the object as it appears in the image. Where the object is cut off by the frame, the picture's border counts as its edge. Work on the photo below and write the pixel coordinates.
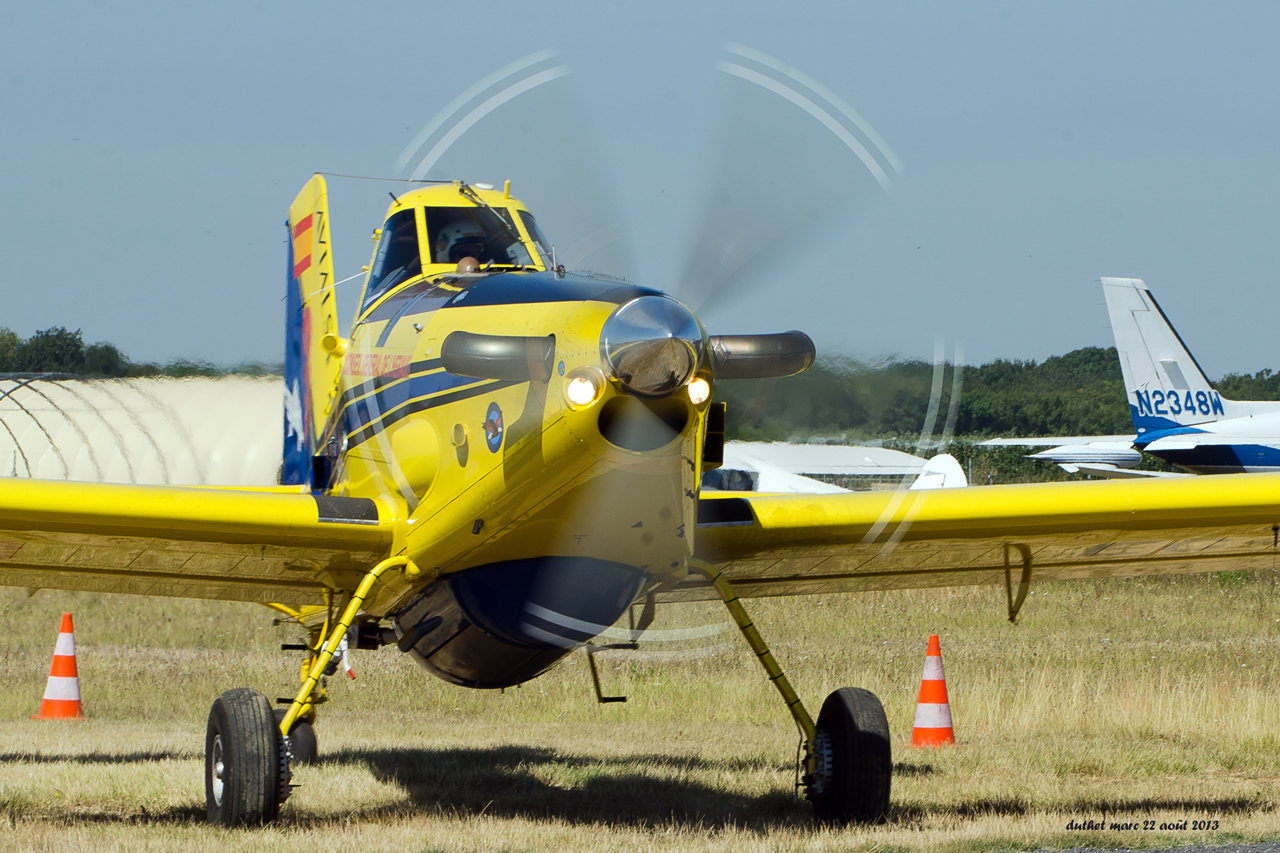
(291, 548)
(191, 543)
(799, 544)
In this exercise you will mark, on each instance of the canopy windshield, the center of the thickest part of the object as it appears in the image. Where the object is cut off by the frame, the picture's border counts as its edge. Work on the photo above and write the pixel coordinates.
(398, 258)
(484, 233)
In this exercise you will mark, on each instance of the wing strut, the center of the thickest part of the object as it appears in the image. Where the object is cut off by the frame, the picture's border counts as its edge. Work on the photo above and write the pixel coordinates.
(339, 633)
(803, 721)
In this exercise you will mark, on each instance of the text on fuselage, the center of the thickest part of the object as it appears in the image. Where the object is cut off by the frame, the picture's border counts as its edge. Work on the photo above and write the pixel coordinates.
(1179, 402)
(368, 365)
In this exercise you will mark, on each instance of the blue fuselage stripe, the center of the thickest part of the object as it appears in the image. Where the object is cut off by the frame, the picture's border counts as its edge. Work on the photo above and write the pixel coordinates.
(373, 405)
(375, 408)
(1223, 458)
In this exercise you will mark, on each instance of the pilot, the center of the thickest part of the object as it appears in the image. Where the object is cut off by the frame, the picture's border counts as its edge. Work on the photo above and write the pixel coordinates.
(461, 238)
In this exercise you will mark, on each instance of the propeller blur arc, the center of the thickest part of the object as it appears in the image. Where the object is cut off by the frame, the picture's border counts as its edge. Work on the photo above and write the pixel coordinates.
(471, 92)
(776, 180)
(512, 91)
(844, 135)
(829, 96)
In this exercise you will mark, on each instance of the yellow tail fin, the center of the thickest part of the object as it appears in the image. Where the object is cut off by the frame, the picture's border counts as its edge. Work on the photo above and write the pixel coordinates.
(313, 347)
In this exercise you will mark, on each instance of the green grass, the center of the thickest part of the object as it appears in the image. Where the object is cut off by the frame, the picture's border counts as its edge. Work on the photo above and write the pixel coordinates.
(1152, 699)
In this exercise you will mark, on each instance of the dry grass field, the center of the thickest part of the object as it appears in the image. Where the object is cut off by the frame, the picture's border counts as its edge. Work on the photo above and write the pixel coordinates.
(1125, 701)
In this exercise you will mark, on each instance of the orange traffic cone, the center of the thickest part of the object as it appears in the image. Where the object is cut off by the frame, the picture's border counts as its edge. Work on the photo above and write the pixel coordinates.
(933, 711)
(62, 693)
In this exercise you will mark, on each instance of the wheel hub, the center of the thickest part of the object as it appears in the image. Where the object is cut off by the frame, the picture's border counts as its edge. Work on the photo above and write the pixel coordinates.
(216, 771)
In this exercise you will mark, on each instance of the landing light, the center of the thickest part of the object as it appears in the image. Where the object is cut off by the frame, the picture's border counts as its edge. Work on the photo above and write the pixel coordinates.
(583, 388)
(699, 390)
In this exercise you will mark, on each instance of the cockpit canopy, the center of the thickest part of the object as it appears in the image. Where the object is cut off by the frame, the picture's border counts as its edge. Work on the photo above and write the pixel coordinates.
(423, 236)
(398, 258)
(486, 234)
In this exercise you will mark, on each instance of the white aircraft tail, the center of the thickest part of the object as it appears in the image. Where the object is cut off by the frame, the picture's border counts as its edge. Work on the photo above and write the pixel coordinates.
(1165, 385)
(941, 472)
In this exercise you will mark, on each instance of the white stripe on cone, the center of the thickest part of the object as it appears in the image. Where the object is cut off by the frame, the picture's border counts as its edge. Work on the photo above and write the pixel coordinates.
(66, 646)
(59, 687)
(931, 716)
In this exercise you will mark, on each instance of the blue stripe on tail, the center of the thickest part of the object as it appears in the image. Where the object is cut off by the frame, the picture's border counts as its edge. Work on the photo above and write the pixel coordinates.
(298, 438)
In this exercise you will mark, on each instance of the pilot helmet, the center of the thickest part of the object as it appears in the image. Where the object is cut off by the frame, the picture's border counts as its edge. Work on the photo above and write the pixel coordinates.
(459, 239)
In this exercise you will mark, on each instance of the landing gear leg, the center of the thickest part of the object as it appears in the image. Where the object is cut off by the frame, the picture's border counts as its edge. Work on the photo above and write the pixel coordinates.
(301, 741)
(848, 762)
(304, 747)
(247, 750)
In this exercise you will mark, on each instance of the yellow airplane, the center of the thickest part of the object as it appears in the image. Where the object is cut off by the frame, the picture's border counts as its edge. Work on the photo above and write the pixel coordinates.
(504, 459)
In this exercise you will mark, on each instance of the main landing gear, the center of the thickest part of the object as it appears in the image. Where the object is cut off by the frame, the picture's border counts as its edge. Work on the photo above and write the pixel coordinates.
(852, 767)
(848, 760)
(249, 750)
(304, 748)
(249, 753)
(246, 768)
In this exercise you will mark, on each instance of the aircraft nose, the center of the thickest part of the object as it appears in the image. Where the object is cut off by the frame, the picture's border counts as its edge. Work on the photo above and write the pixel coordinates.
(652, 345)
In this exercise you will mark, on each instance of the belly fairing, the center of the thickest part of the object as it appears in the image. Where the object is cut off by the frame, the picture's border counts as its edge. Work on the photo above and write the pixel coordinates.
(505, 623)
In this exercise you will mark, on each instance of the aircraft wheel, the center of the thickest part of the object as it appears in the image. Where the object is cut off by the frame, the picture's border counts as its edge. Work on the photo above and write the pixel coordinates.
(242, 760)
(851, 782)
(303, 746)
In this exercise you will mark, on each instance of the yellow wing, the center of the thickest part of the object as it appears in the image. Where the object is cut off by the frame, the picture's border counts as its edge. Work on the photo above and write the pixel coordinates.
(193, 543)
(796, 544)
(291, 548)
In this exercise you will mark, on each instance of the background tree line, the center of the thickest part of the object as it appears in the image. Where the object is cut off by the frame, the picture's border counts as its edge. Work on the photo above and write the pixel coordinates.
(58, 350)
(842, 398)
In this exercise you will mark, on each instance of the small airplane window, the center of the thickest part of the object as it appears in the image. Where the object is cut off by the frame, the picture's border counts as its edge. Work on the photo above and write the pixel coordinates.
(485, 234)
(539, 239)
(398, 259)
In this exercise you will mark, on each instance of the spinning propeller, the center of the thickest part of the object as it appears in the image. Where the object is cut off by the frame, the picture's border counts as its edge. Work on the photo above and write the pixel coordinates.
(793, 161)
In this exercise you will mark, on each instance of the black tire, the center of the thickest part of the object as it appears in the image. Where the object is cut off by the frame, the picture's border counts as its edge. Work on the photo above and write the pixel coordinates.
(303, 746)
(243, 739)
(855, 762)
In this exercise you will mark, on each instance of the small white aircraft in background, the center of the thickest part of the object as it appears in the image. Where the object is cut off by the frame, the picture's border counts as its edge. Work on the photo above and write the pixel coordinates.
(1178, 415)
(1110, 456)
(784, 468)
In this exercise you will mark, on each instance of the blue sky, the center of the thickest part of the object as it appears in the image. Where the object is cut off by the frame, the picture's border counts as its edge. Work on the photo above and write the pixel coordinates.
(148, 154)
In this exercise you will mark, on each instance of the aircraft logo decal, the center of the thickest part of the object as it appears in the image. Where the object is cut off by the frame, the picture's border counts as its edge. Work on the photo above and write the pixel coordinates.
(493, 427)
(293, 416)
